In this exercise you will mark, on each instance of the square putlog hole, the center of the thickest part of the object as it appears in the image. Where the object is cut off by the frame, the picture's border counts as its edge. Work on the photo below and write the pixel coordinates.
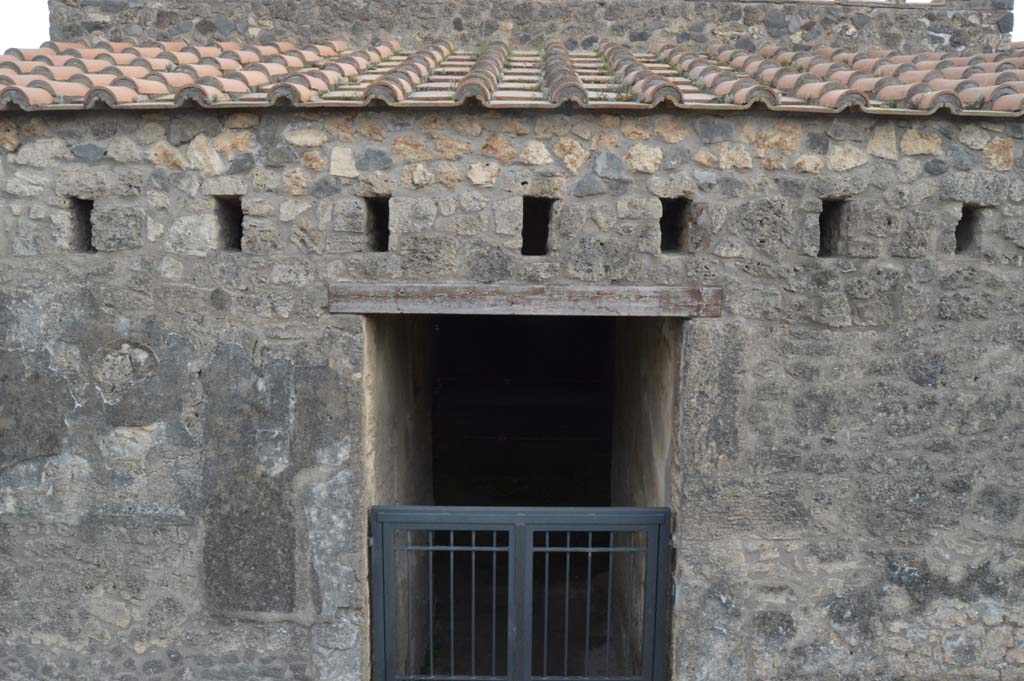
(81, 240)
(536, 224)
(832, 228)
(229, 222)
(675, 224)
(378, 223)
(968, 237)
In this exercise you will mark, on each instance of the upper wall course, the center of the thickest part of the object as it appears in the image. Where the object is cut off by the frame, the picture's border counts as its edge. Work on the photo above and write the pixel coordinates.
(850, 24)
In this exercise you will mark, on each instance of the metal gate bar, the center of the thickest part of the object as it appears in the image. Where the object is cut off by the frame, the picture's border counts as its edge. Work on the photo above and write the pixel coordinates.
(630, 544)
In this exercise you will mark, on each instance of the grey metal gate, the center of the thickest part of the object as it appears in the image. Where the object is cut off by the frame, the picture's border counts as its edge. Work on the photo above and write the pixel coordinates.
(519, 594)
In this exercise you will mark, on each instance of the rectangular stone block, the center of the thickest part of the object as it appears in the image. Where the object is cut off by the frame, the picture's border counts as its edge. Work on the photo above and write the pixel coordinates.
(192, 234)
(117, 228)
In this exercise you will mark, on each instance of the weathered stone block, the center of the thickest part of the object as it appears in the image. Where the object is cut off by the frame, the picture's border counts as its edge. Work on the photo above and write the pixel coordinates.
(508, 216)
(410, 215)
(116, 228)
(192, 234)
(261, 236)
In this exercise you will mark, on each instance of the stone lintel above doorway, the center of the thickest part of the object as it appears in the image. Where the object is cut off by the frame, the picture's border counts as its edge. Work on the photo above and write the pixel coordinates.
(491, 299)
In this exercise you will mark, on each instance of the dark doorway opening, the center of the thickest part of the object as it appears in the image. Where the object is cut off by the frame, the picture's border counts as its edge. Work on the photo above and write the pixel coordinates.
(522, 411)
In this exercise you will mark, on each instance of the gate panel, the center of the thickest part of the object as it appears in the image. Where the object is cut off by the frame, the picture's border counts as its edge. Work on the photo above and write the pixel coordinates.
(489, 594)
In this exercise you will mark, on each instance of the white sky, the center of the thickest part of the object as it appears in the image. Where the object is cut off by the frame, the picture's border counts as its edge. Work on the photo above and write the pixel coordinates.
(26, 25)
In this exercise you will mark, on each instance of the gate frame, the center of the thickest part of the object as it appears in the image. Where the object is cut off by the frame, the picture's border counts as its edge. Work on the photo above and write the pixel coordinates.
(521, 523)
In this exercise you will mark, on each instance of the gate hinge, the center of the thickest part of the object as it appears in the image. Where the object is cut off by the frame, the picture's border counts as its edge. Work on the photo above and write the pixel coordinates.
(369, 541)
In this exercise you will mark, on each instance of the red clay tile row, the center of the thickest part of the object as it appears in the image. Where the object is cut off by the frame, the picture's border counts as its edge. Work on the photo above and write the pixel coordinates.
(561, 81)
(170, 74)
(648, 86)
(484, 77)
(397, 84)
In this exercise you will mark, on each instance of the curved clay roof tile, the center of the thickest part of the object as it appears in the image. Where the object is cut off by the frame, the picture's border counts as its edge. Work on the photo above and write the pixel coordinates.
(243, 56)
(264, 50)
(385, 90)
(290, 61)
(933, 101)
(812, 92)
(790, 82)
(29, 54)
(86, 52)
(252, 78)
(203, 95)
(1002, 76)
(59, 47)
(899, 93)
(148, 52)
(1014, 103)
(175, 79)
(172, 45)
(289, 93)
(119, 58)
(12, 78)
(56, 72)
(204, 51)
(111, 96)
(561, 80)
(144, 86)
(346, 70)
(26, 98)
(308, 80)
(307, 56)
(842, 99)
(180, 58)
(748, 96)
(222, 63)
(61, 90)
(482, 79)
(229, 86)
(95, 79)
(198, 71)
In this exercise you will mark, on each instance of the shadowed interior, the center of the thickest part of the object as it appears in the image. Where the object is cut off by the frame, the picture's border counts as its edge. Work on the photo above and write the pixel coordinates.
(521, 411)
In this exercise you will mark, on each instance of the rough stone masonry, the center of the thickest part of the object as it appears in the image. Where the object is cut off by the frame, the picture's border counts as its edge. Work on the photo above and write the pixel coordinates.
(895, 24)
(182, 486)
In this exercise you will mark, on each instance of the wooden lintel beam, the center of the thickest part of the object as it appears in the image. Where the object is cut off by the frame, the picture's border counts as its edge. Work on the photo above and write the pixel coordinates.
(495, 299)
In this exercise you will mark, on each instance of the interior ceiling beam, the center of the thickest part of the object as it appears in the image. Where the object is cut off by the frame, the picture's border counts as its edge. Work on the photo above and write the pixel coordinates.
(492, 299)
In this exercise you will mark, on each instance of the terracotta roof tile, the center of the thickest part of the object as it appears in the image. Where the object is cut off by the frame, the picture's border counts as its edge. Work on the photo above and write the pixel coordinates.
(335, 74)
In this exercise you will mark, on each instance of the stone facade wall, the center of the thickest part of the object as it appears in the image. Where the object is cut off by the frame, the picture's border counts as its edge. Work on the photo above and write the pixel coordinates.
(945, 25)
(182, 480)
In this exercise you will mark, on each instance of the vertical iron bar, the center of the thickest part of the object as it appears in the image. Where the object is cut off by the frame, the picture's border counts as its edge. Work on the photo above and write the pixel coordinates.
(608, 624)
(661, 588)
(519, 604)
(631, 595)
(408, 602)
(586, 644)
(472, 605)
(451, 598)
(547, 564)
(565, 638)
(494, 605)
(378, 591)
(430, 593)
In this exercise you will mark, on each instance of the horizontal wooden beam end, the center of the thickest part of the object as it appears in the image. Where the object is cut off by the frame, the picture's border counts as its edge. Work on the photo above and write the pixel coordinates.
(491, 299)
